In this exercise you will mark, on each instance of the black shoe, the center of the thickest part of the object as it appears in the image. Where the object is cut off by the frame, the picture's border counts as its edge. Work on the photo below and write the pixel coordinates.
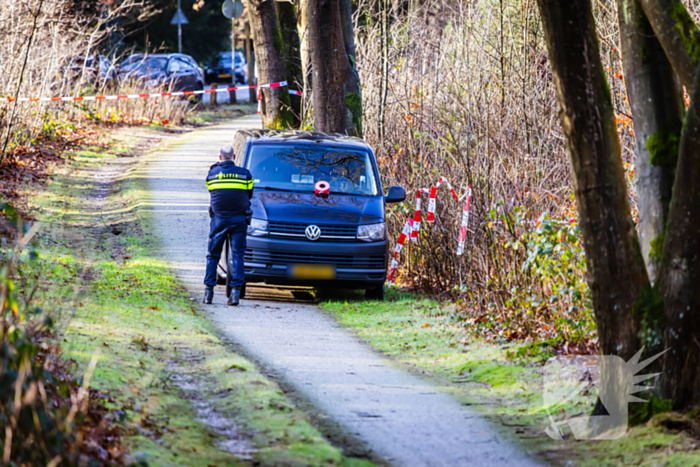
(235, 298)
(208, 296)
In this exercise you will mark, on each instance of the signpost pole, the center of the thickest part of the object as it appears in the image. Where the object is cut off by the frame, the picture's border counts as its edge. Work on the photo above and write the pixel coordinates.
(232, 94)
(179, 29)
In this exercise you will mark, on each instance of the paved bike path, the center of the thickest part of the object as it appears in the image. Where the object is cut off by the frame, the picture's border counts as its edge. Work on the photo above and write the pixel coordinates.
(401, 418)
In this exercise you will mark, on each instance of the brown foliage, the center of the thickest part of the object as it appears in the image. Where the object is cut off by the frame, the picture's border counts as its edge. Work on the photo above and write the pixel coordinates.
(471, 98)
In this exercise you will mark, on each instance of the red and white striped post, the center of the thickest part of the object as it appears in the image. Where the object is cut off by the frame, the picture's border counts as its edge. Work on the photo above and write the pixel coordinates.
(431, 204)
(416, 218)
(465, 223)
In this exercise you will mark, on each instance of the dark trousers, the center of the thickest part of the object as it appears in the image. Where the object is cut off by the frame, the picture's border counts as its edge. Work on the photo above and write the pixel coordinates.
(236, 228)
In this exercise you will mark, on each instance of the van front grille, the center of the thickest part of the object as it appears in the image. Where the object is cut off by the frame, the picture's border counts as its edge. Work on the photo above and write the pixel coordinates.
(328, 232)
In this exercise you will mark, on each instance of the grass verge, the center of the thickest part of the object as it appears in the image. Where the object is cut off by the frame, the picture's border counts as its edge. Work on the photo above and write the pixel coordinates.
(502, 381)
(182, 397)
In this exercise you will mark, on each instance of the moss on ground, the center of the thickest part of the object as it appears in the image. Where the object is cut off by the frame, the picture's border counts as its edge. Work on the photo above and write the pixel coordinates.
(161, 363)
(504, 382)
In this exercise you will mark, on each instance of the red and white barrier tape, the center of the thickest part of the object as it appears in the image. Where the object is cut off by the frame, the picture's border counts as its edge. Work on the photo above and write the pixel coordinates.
(291, 91)
(140, 96)
(411, 228)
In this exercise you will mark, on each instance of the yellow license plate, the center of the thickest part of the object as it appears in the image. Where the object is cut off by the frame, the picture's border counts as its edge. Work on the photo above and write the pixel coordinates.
(225, 76)
(311, 271)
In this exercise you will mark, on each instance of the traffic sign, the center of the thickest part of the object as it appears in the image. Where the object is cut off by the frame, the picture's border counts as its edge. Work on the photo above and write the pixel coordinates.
(232, 9)
(179, 18)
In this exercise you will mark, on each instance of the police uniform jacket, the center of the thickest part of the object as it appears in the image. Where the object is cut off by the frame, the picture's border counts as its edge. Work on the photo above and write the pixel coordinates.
(231, 188)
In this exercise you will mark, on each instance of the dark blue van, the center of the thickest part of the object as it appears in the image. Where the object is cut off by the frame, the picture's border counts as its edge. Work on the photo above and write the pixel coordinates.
(304, 238)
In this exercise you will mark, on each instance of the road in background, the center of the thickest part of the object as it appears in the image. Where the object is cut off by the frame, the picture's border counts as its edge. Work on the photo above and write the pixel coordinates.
(242, 95)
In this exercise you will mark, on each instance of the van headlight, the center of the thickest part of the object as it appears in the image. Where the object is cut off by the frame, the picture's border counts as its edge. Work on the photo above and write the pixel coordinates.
(257, 228)
(372, 232)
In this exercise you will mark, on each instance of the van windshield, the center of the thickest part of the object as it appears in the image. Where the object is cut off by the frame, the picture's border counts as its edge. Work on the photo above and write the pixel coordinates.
(300, 167)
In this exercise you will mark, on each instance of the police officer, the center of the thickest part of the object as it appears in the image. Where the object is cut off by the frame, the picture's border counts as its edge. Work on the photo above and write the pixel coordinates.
(231, 188)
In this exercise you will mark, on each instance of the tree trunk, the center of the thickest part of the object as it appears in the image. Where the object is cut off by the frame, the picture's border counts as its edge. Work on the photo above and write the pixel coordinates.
(616, 273)
(286, 12)
(384, 52)
(678, 34)
(302, 7)
(331, 67)
(679, 278)
(353, 92)
(346, 25)
(657, 107)
(270, 59)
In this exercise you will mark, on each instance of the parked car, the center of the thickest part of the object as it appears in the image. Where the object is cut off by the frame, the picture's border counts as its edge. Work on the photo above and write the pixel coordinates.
(220, 70)
(97, 70)
(179, 71)
(301, 238)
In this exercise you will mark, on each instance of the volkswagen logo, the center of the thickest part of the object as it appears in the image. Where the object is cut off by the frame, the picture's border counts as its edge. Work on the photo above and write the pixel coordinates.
(313, 232)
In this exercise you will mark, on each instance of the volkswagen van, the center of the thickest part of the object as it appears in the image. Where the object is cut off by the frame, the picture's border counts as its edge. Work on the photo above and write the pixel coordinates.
(336, 237)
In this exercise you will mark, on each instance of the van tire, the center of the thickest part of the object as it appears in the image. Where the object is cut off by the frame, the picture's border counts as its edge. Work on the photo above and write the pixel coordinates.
(229, 273)
(376, 293)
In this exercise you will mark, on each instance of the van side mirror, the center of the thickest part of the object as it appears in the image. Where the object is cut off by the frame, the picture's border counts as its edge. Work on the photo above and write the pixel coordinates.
(396, 194)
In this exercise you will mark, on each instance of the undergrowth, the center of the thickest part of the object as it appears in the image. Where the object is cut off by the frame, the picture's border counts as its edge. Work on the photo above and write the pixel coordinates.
(49, 416)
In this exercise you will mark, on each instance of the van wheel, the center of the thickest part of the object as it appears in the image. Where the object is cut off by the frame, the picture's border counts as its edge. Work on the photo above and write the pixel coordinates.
(376, 293)
(222, 267)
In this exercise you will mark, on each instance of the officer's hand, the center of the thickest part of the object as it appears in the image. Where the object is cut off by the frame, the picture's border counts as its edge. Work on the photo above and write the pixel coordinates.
(211, 213)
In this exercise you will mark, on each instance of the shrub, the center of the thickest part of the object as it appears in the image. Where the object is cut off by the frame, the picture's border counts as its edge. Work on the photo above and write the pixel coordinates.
(46, 416)
(471, 98)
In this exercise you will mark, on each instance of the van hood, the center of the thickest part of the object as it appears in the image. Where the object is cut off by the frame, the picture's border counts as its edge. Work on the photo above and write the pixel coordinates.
(309, 208)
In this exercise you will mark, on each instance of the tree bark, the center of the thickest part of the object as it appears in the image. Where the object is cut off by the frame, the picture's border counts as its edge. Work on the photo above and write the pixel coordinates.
(353, 91)
(346, 25)
(616, 273)
(270, 59)
(657, 107)
(680, 270)
(384, 52)
(287, 14)
(678, 34)
(302, 7)
(331, 67)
